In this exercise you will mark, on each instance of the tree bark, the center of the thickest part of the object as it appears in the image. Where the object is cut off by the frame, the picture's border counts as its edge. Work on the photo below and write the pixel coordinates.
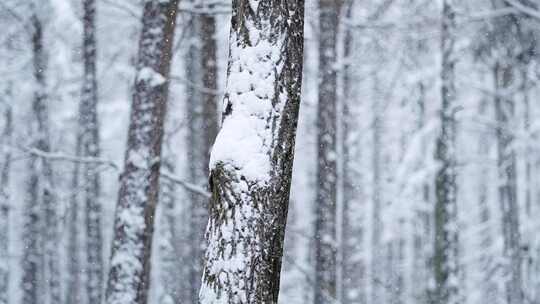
(504, 112)
(134, 221)
(170, 249)
(352, 265)
(89, 141)
(445, 259)
(203, 128)
(251, 162)
(6, 140)
(327, 179)
(41, 273)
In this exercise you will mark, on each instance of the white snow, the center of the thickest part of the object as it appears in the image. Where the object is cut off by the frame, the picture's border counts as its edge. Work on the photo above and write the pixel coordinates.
(148, 75)
(245, 137)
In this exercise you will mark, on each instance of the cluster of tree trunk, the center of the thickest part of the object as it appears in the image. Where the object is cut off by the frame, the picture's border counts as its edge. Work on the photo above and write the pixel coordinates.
(229, 247)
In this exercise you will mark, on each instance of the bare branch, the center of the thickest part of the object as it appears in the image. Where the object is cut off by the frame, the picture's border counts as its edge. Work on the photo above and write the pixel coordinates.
(101, 161)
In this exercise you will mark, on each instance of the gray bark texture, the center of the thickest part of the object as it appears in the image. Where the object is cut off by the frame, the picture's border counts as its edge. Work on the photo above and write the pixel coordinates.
(89, 145)
(128, 280)
(248, 210)
(41, 277)
(327, 179)
(445, 254)
(504, 112)
(203, 128)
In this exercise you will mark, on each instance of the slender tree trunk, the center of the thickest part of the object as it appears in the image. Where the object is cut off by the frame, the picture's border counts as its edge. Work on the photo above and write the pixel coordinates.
(87, 177)
(196, 158)
(377, 250)
(353, 269)
(134, 221)
(169, 247)
(203, 127)
(40, 236)
(89, 141)
(490, 292)
(5, 163)
(504, 112)
(422, 239)
(327, 179)
(251, 162)
(73, 291)
(445, 259)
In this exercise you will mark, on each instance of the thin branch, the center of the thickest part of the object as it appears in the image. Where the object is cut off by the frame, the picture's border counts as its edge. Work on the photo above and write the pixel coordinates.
(70, 158)
(531, 12)
(101, 161)
(188, 186)
(195, 86)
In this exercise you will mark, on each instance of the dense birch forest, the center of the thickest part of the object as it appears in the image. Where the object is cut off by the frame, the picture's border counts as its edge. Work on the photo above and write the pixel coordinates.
(269, 151)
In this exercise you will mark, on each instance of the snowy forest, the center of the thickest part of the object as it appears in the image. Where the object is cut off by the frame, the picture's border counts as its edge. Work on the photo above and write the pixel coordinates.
(269, 151)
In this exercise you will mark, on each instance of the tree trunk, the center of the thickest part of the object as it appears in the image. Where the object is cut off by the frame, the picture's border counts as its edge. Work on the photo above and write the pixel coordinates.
(40, 236)
(504, 112)
(377, 249)
(327, 179)
(196, 157)
(203, 127)
(87, 177)
(353, 266)
(134, 221)
(169, 248)
(445, 259)
(251, 162)
(89, 144)
(73, 291)
(6, 141)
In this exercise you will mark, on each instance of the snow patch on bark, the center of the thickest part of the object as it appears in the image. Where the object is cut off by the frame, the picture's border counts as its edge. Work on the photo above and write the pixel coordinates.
(246, 136)
(151, 77)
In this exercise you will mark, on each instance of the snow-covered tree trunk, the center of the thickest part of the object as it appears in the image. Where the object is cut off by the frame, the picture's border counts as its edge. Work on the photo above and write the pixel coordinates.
(5, 167)
(128, 280)
(251, 161)
(445, 255)
(327, 179)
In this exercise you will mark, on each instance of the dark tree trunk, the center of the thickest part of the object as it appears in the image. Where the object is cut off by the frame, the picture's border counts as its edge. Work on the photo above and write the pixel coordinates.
(86, 176)
(327, 179)
(445, 258)
(504, 112)
(203, 127)
(89, 145)
(251, 162)
(128, 280)
(40, 236)
(196, 157)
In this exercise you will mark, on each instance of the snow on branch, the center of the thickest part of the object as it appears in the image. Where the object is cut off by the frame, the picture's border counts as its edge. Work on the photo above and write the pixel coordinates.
(527, 10)
(105, 162)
